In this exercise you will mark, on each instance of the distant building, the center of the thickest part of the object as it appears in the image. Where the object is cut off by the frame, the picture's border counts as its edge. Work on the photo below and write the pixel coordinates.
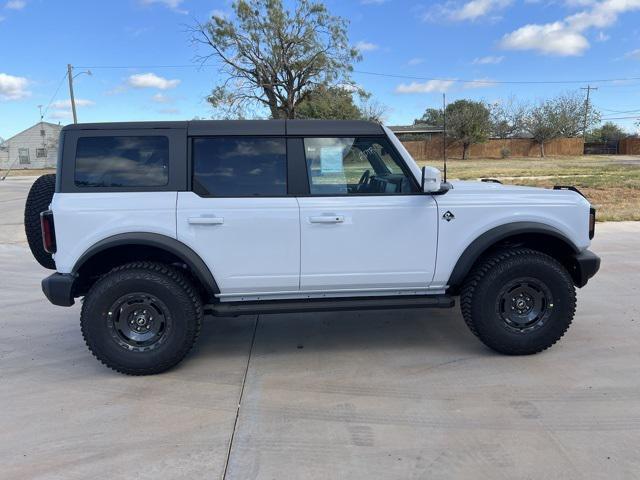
(35, 147)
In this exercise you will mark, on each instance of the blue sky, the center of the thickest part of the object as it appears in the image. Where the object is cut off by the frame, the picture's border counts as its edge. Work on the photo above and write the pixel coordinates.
(485, 41)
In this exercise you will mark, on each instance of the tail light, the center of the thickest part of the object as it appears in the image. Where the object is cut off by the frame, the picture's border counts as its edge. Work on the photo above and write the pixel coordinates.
(48, 231)
(592, 222)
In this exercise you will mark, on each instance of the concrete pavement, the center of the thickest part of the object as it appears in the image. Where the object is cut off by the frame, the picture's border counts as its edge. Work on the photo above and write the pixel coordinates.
(377, 395)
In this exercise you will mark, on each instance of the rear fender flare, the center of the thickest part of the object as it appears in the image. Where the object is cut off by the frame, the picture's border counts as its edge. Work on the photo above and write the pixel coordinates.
(170, 245)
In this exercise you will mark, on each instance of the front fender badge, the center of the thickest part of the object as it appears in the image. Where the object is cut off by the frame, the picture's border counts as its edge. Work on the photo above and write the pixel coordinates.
(448, 216)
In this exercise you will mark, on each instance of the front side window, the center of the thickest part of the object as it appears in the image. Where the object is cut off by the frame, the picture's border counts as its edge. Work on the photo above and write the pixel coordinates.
(343, 166)
(240, 166)
(119, 161)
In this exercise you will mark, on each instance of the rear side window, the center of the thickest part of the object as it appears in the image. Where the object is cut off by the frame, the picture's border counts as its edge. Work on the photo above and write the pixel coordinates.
(122, 161)
(240, 166)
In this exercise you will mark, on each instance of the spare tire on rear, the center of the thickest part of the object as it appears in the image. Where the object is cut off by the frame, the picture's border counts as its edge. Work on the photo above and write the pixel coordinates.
(38, 201)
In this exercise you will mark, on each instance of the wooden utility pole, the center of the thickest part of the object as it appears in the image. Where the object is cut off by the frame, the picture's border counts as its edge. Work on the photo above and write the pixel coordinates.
(73, 100)
(588, 88)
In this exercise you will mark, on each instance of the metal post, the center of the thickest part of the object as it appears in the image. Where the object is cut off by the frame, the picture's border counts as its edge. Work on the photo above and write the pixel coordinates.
(73, 100)
(444, 133)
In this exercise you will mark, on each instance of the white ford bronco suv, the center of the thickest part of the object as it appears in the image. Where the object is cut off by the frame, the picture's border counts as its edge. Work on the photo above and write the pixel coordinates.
(156, 224)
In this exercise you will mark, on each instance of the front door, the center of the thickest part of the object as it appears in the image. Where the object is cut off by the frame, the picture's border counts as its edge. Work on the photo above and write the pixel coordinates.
(365, 227)
(238, 217)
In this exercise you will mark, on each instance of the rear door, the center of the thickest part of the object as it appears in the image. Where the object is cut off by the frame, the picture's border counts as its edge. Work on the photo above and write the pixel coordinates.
(239, 216)
(365, 227)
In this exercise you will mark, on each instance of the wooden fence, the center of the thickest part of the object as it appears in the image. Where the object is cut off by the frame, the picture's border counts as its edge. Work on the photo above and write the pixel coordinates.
(494, 148)
(629, 146)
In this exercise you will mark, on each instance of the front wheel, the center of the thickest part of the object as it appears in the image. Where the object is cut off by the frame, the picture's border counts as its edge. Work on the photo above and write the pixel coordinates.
(519, 301)
(141, 318)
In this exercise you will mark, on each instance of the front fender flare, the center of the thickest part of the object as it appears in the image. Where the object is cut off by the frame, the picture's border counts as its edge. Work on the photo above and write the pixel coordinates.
(495, 235)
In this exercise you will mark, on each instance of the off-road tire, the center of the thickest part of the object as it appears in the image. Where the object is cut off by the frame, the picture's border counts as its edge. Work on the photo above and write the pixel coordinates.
(38, 200)
(171, 288)
(482, 300)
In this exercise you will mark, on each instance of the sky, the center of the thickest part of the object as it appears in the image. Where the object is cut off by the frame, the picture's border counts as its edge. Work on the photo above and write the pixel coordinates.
(412, 53)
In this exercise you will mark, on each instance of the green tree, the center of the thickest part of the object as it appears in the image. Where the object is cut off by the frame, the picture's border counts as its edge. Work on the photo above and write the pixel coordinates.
(274, 57)
(607, 132)
(337, 103)
(329, 103)
(432, 117)
(468, 122)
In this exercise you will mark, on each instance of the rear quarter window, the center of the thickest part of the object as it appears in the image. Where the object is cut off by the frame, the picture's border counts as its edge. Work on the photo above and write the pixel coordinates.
(240, 166)
(122, 161)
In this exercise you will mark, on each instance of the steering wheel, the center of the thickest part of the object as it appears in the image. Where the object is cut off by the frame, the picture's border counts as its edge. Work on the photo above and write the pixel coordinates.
(364, 179)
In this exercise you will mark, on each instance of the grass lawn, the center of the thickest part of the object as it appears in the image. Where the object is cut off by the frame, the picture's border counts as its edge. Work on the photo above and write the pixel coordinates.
(610, 182)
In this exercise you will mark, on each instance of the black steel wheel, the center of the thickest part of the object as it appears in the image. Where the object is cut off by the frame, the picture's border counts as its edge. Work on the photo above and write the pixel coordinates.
(518, 301)
(141, 318)
(139, 322)
(524, 304)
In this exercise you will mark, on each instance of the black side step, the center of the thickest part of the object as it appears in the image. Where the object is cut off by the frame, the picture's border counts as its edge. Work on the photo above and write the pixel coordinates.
(224, 309)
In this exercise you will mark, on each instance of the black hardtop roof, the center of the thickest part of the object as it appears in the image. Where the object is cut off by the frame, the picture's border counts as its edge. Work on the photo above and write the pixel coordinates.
(246, 127)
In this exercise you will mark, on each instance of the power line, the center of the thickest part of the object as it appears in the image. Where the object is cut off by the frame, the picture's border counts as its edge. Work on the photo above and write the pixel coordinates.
(46, 109)
(391, 75)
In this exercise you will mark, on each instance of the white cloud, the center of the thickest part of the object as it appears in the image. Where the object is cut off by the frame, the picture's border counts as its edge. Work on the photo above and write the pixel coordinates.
(151, 80)
(480, 83)
(366, 46)
(470, 10)
(60, 114)
(13, 88)
(16, 4)
(161, 98)
(425, 87)
(415, 61)
(550, 39)
(169, 111)
(66, 104)
(172, 4)
(566, 37)
(602, 37)
(634, 54)
(488, 60)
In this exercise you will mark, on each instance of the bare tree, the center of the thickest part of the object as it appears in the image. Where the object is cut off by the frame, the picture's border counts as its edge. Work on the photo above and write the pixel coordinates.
(506, 118)
(561, 116)
(273, 57)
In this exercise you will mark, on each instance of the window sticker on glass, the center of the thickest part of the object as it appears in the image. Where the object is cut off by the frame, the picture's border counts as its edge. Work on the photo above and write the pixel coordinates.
(331, 160)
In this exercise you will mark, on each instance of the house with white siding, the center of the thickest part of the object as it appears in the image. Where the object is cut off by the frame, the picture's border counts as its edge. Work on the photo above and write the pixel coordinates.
(35, 147)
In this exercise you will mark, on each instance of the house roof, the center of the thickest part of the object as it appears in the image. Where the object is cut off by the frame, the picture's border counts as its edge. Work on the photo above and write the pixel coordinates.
(416, 128)
(55, 125)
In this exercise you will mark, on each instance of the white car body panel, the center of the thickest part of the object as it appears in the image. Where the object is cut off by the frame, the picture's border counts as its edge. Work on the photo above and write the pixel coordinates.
(256, 248)
(381, 242)
(84, 219)
(481, 206)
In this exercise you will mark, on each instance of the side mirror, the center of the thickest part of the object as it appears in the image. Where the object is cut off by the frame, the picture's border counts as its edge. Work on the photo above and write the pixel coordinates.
(431, 179)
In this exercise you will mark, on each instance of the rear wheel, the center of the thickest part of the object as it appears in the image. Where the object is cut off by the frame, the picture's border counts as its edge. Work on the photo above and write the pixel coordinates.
(38, 200)
(141, 318)
(519, 301)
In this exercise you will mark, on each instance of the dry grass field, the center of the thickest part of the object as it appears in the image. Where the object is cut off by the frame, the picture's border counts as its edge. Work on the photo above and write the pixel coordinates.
(611, 183)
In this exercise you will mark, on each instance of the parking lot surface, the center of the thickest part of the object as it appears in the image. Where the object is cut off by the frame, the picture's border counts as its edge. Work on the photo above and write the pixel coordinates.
(378, 395)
